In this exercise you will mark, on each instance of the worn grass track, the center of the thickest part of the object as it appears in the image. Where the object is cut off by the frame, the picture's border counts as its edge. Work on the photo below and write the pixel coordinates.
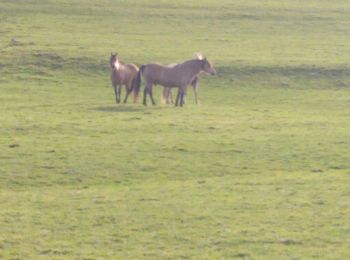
(260, 170)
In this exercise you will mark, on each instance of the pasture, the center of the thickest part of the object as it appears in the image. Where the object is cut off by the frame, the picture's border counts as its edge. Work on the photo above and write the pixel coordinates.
(260, 170)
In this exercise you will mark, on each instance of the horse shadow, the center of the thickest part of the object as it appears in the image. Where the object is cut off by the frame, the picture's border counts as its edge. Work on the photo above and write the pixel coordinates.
(118, 109)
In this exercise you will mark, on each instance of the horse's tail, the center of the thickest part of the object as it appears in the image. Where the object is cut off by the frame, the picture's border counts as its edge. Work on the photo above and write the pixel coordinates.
(137, 83)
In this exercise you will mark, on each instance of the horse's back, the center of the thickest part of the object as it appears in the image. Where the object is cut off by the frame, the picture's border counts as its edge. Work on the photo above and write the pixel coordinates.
(159, 74)
(125, 74)
(132, 67)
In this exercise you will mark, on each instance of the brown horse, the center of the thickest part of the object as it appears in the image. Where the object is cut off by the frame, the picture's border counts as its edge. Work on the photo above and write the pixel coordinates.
(180, 76)
(123, 74)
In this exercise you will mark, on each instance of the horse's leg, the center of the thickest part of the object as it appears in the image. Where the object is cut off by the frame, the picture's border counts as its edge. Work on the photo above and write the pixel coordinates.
(164, 98)
(177, 97)
(126, 96)
(182, 101)
(167, 95)
(194, 84)
(195, 91)
(151, 95)
(117, 93)
(128, 91)
(145, 97)
(183, 96)
(148, 89)
(171, 101)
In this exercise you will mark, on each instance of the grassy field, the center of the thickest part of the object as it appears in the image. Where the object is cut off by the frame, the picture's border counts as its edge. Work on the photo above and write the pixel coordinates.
(260, 170)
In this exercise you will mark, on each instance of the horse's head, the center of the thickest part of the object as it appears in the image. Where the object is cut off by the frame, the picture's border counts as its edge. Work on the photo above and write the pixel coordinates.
(198, 56)
(114, 61)
(208, 67)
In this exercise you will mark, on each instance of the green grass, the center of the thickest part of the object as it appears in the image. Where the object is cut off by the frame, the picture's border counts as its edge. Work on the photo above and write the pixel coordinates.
(260, 170)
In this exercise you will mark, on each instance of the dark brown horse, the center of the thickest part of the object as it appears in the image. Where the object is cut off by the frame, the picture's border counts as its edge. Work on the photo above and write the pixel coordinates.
(123, 74)
(179, 76)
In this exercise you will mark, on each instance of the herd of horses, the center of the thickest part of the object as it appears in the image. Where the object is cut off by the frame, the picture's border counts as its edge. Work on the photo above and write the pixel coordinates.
(179, 76)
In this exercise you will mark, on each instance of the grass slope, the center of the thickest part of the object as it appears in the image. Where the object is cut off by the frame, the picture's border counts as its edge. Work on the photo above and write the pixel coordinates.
(259, 170)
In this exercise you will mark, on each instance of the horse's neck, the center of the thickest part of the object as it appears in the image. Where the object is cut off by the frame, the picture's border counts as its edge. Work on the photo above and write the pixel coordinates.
(193, 66)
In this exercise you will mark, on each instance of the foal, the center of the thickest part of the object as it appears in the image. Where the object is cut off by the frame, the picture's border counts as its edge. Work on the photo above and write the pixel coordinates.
(167, 95)
(123, 74)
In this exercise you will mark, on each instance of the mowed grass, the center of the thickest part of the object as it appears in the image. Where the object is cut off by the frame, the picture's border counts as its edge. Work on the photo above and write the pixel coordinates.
(260, 170)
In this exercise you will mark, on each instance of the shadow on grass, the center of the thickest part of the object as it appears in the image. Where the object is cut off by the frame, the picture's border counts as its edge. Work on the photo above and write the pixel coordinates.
(119, 108)
(300, 71)
(130, 108)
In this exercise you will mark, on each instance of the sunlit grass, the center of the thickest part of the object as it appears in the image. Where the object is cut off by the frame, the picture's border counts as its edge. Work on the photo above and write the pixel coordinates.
(259, 170)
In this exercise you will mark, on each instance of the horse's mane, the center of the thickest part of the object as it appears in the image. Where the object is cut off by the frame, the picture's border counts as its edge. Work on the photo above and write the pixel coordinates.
(189, 61)
(197, 56)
